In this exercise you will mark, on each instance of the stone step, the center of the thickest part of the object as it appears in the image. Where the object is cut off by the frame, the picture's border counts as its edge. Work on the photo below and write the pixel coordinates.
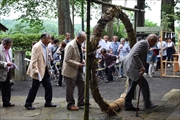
(170, 109)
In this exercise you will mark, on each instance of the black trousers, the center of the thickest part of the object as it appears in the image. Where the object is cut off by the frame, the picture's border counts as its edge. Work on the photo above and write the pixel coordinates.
(35, 86)
(108, 72)
(60, 78)
(6, 89)
(159, 62)
(144, 89)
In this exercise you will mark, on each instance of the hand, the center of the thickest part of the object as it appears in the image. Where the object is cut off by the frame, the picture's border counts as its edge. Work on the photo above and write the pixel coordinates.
(151, 49)
(9, 63)
(81, 65)
(99, 60)
(83, 62)
(142, 70)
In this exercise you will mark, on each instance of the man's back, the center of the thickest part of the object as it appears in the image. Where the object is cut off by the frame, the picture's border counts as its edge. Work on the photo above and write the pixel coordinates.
(135, 59)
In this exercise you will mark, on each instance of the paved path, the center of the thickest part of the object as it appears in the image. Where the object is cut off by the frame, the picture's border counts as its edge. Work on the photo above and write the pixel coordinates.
(169, 105)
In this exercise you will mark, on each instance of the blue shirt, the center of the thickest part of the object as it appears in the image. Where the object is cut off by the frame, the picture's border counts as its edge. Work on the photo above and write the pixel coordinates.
(115, 46)
(124, 50)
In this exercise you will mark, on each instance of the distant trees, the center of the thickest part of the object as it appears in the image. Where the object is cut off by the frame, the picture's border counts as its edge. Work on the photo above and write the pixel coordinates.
(33, 11)
(169, 15)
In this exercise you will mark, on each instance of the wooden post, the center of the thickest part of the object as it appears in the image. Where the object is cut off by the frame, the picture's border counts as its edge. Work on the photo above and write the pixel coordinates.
(82, 10)
(19, 56)
(86, 100)
(135, 21)
(161, 53)
(178, 48)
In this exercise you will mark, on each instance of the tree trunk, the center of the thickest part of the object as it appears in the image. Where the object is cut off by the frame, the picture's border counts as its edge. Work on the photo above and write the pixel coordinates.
(64, 19)
(110, 29)
(167, 6)
(72, 35)
(110, 24)
(140, 15)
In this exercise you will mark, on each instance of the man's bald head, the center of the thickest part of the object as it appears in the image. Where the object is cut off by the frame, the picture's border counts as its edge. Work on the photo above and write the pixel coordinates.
(152, 39)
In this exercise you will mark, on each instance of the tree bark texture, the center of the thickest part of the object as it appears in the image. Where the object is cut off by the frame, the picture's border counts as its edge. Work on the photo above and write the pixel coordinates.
(64, 19)
(140, 15)
(110, 24)
(167, 6)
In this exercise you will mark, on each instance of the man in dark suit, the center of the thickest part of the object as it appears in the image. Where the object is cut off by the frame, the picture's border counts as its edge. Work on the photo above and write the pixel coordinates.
(5, 70)
(134, 67)
(38, 71)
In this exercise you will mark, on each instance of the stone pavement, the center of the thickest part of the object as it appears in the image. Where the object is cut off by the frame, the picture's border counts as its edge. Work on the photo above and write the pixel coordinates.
(168, 109)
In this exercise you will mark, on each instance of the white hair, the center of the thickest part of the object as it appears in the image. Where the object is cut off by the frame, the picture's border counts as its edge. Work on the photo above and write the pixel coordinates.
(79, 34)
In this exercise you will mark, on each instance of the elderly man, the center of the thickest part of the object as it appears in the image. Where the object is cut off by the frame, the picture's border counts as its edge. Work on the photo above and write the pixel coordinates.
(5, 69)
(115, 44)
(73, 71)
(134, 67)
(38, 71)
(67, 38)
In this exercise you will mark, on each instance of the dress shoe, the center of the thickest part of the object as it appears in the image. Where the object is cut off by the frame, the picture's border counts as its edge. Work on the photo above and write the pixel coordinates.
(73, 108)
(132, 108)
(49, 105)
(151, 107)
(106, 81)
(8, 105)
(29, 107)
(82, 106)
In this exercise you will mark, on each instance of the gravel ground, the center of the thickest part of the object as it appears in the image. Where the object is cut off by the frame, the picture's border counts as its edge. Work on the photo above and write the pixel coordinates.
(109, 91)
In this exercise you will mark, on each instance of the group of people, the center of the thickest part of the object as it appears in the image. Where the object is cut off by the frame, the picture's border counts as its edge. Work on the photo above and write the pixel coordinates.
(132, 65)
(56, 55)
(71, 59)
(154, 55)
(109, 54)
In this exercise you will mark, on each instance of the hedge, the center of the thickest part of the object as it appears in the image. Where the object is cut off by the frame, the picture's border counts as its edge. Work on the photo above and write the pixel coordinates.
(24, 41)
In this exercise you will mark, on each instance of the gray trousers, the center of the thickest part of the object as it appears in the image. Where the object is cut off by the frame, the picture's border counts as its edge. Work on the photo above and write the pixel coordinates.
(70, 85)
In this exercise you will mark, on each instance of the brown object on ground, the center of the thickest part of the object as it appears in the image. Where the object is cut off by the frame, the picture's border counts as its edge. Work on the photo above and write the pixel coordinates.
(118, 104)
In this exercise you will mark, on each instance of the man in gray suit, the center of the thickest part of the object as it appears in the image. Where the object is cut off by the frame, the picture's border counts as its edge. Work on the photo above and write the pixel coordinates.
(5, 70)
(134, 67)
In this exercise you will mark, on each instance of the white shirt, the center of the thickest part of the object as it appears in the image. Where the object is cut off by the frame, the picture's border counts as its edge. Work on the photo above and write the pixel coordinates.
(102, 43)
(108, 45)
(164, 53)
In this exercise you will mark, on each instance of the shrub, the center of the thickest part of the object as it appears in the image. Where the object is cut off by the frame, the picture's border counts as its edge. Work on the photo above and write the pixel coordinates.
(24, 41)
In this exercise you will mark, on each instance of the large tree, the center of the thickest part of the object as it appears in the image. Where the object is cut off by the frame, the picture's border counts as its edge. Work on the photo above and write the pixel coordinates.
(140, 15)
(110, 24)
(167, 8)
(64, 19)
(33, 11)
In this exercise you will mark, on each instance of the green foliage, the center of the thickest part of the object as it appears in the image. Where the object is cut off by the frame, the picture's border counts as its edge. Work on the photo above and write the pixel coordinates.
(149, 23)
(170, 13)
(32, 10)
(24, 41)
(177, 14)
(178, 29)
(165, 21)
(121, 31)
